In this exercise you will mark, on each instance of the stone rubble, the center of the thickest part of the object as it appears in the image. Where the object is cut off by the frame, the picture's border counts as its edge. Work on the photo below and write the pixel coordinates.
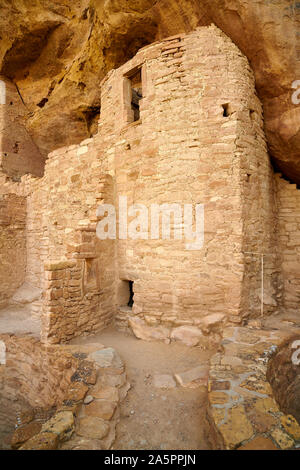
(87, 407)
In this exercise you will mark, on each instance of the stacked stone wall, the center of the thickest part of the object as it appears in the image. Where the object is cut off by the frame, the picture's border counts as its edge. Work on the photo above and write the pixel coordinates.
(12, 245)
(288, 196)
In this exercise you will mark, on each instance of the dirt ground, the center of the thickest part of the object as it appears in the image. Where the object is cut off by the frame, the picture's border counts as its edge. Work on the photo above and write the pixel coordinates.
(152, 418)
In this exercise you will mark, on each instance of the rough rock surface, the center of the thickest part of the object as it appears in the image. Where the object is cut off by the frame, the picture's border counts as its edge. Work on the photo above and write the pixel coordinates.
(246, 410)
(284, 377)
(42, 441)
(189, 335)
(58, 52)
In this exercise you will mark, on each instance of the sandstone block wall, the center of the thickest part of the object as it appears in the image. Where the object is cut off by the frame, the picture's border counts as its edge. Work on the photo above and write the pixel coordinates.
(79, 296)
(260, 223)
(42, 390)
(12, 245)
(288, 196)
(18, 152)
(198, 139)
(64, 257)
(34, 376)
(35, 372)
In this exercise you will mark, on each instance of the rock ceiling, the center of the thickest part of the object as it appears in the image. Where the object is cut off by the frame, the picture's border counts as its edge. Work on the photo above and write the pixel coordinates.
(57, 52)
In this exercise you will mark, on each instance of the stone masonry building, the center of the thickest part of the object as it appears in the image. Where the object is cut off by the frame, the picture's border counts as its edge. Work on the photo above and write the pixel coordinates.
(180, 124)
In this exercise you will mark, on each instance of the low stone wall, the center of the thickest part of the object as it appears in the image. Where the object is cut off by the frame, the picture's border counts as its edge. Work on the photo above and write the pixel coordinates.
(73, 393)
(204, 332)
(65, 258)
(242, 403)
(76, 301)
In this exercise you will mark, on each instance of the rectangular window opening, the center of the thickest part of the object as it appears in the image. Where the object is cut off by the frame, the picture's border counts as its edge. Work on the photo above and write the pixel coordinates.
(136, 94)
(133, 93)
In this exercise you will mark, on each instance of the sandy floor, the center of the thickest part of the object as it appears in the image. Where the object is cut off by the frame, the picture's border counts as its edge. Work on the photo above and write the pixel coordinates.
(152, 418)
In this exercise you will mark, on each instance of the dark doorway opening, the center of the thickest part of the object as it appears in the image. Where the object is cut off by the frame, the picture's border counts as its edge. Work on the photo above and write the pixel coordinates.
(225, 110)
(125, 294)
(131, 294)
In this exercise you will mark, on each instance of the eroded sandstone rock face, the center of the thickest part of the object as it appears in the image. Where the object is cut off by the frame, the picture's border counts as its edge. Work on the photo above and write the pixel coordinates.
(283, 374)
(58, 52)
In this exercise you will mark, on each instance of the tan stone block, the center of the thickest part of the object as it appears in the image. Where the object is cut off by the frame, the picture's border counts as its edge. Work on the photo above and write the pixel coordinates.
(101, 409)
(231, 361)
(291, 426)
(105, 393)
(59, 266)
(211, 321)
(218, 398)
(112, 380)
(148, 333)
(259, 443)
(25, 433)
(262, 422)
(282, 439)
(107, 359)
(92, 427)
(61, 424)
(76, 392)
(266, 405)
(189, 335)
(237, 428)
(256, 385)
(42, 441)
(218, 414)
(218, 385)
(148, 172)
